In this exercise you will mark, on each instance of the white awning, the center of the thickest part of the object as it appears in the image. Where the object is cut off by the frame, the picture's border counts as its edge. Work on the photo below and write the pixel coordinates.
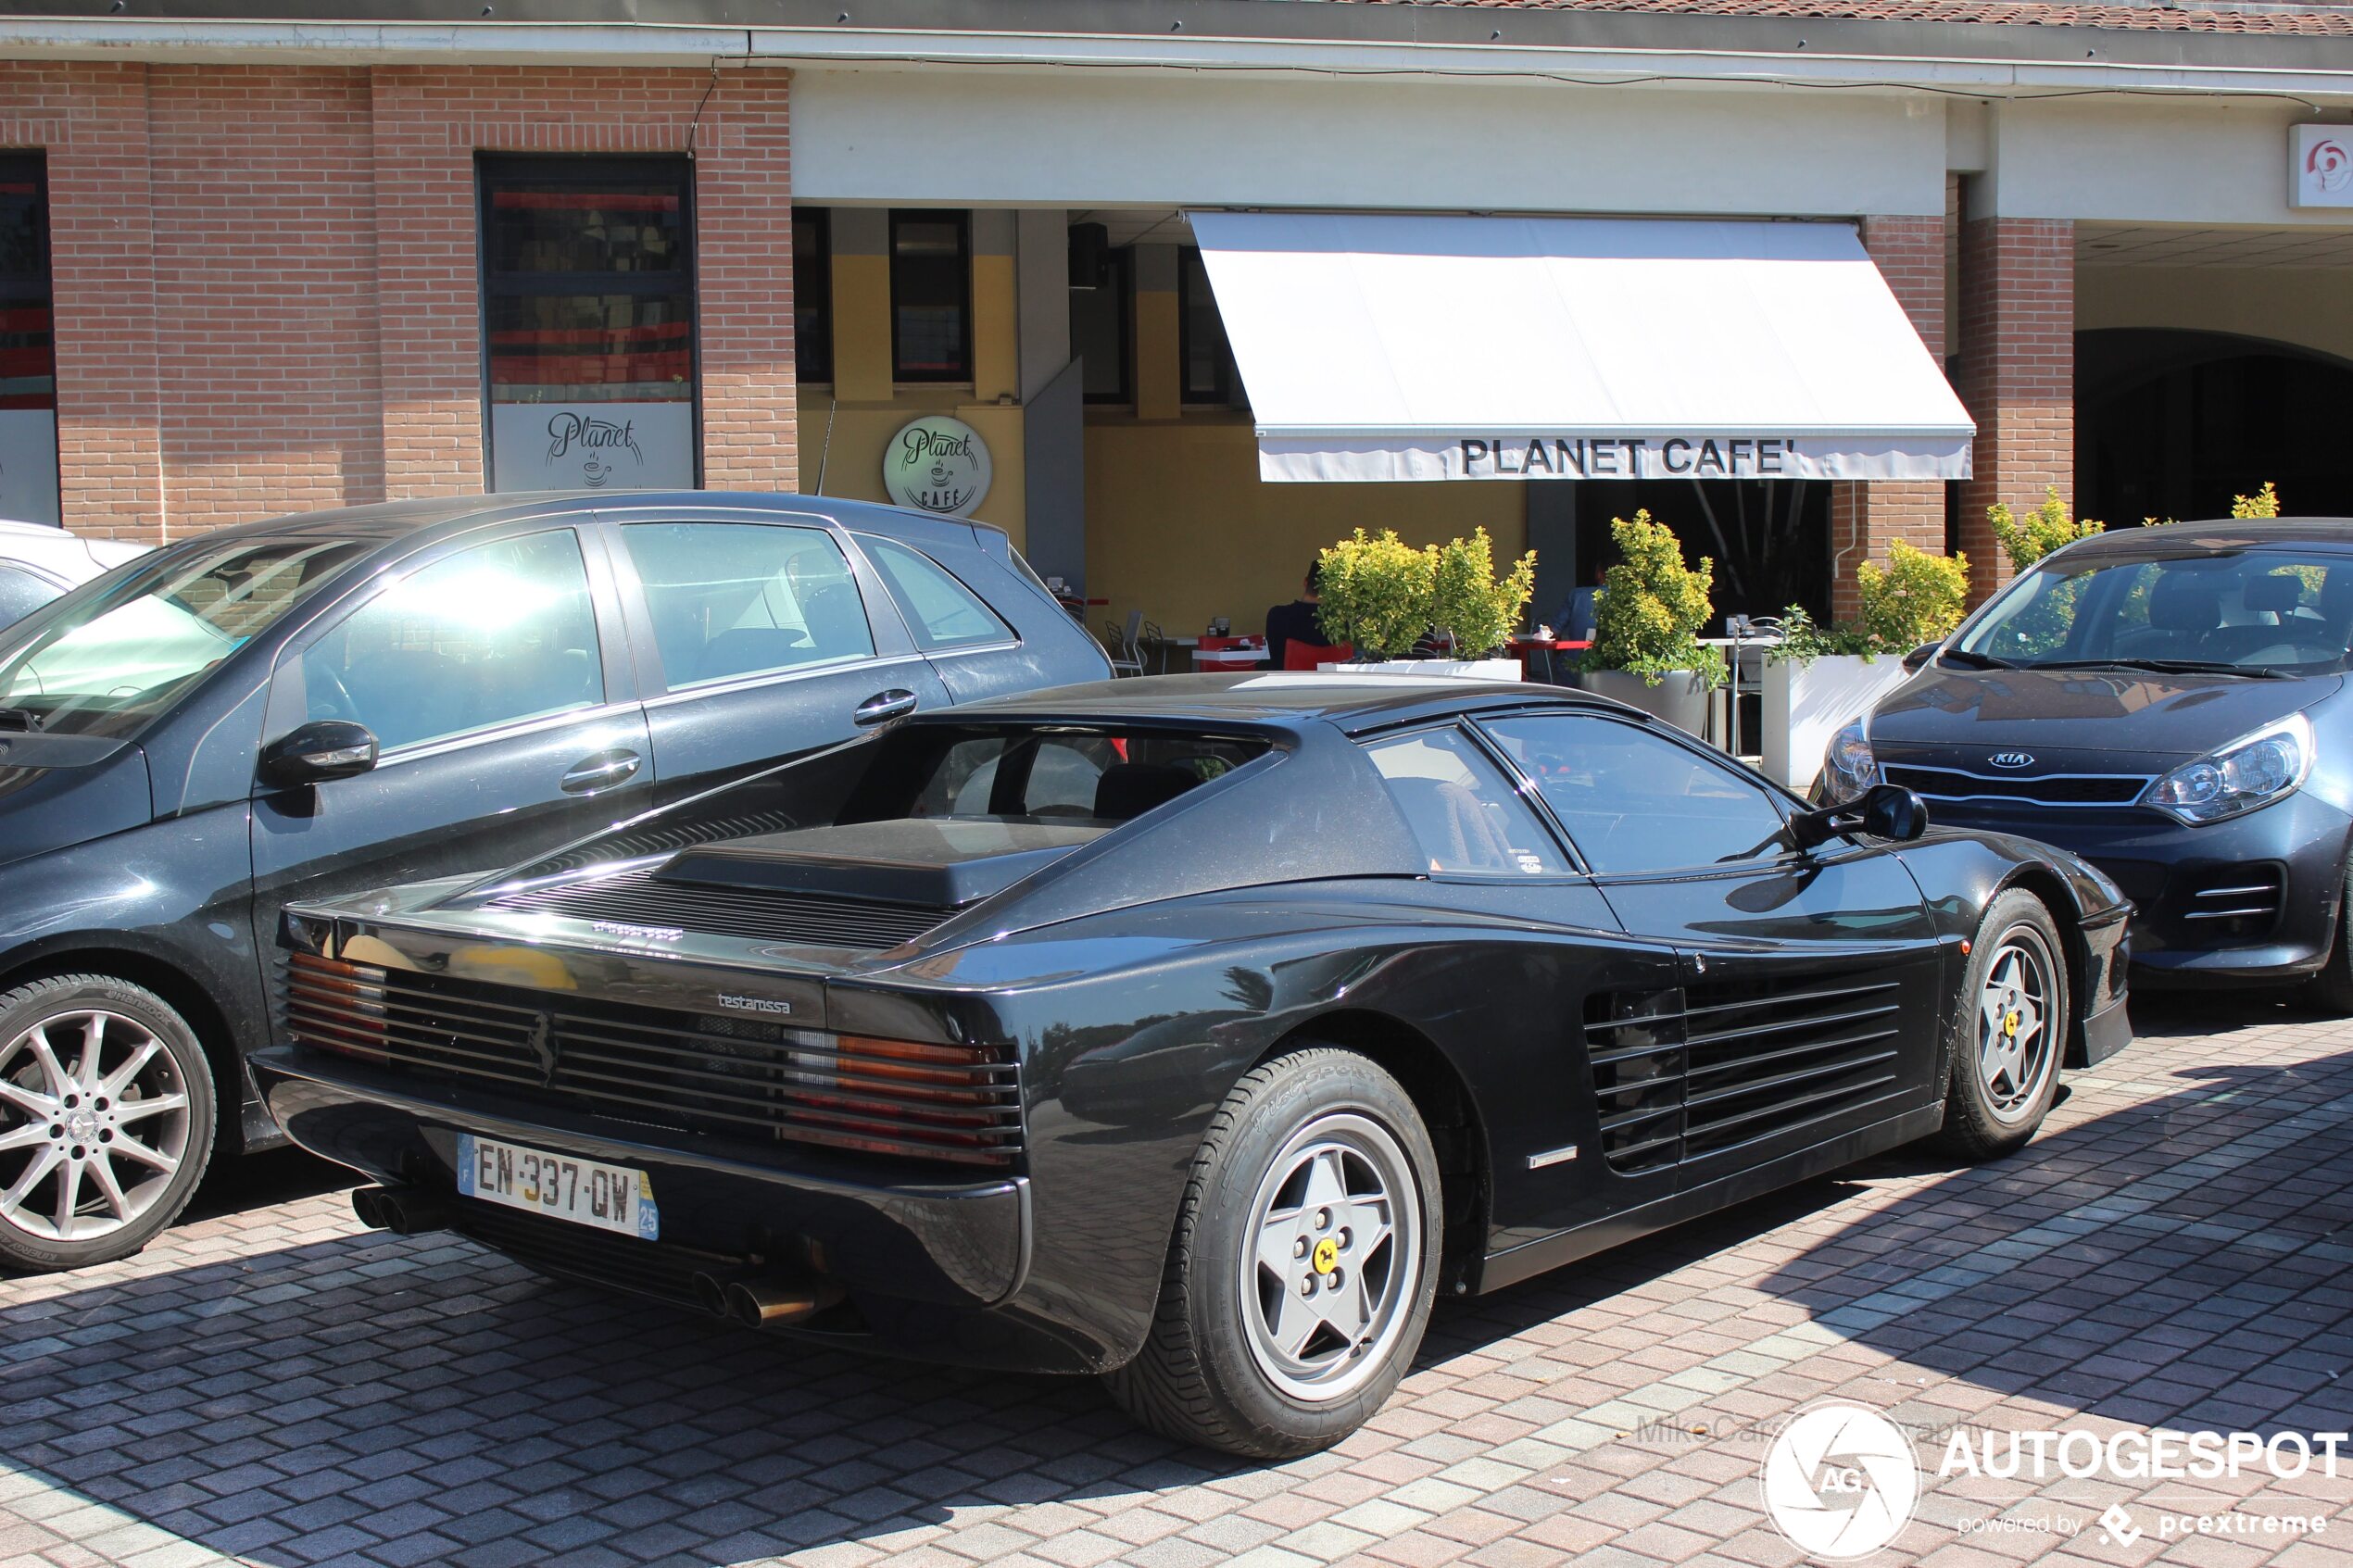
(1416, 347)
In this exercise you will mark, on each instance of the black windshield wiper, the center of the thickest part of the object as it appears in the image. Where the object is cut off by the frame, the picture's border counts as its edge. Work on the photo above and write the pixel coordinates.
(1972, 660)
(2171, 667)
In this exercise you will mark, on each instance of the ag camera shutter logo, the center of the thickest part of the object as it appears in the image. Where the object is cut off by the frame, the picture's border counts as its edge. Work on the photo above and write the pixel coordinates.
(1840, 1481)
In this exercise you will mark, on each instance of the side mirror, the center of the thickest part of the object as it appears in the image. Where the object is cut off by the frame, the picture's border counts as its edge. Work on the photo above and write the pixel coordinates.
(1917, 660)
(1886, 811)
(323, 749)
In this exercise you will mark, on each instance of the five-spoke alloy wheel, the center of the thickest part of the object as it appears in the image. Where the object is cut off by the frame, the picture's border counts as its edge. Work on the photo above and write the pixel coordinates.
(2005, 1058)
(106, 1120)
(1304, 1265)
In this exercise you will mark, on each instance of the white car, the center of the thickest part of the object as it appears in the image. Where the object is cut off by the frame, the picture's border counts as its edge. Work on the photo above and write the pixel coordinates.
(38, 562)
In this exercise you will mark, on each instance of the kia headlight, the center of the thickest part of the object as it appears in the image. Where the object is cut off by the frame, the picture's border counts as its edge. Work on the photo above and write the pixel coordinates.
(2253, 771)
(1848, 768)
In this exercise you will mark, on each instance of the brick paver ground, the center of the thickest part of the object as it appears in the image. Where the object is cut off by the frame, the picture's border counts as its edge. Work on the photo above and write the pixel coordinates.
(274, 1385)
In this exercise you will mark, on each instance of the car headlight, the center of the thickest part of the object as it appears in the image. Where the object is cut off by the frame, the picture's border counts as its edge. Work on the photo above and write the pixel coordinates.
(2253, 771)
(1848, 767)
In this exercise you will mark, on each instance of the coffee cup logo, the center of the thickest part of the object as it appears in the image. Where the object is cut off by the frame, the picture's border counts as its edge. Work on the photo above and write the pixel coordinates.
(936, 464)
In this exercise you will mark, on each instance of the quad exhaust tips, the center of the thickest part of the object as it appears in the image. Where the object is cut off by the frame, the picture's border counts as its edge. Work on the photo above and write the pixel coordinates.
(402, 1211)
(765, 1303)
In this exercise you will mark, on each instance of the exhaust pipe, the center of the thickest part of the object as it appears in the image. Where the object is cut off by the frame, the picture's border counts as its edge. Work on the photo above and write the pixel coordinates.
(712, 1295)
(402, 1211)
(772, 1303)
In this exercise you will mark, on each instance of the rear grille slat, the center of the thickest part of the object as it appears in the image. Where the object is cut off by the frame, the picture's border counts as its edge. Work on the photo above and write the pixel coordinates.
(637, 897)
(719, 1076)
(1774, 1056)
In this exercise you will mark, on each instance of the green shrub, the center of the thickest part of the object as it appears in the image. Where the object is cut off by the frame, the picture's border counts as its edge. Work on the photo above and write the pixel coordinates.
(1915, 599)
(1469, 601)
(1373, 594)
(1803, 641)
(1651, 606)
(2047, 528)
(2264, 502)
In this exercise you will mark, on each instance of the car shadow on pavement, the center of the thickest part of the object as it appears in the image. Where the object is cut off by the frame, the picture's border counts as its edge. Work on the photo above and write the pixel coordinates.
(374, 1399)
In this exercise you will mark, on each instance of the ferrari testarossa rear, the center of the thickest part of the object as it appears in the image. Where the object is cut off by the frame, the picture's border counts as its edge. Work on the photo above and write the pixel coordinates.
(1195, 1032)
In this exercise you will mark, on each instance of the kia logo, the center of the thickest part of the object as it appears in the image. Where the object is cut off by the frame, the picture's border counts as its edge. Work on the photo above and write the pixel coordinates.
(2012, 759)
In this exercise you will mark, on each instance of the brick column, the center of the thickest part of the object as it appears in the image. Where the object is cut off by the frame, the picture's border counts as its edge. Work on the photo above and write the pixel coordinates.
(1866, 518)
(2016, 375)
(743, 272)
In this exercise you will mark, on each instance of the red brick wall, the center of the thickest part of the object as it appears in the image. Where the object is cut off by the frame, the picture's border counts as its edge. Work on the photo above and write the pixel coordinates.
(265, 248)
(2017, 374)
(1864, 519)
(266, 276)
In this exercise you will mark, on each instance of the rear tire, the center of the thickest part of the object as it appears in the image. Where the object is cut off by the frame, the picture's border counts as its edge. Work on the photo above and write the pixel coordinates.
(107, 1115)
(1303, 1266)
(2012, 1030)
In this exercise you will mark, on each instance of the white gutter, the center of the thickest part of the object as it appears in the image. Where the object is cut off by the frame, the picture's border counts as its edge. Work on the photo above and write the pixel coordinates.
(661, 44)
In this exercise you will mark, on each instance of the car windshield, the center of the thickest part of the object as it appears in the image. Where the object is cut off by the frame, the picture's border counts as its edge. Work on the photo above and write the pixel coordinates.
(2258, 611)
(118, 654)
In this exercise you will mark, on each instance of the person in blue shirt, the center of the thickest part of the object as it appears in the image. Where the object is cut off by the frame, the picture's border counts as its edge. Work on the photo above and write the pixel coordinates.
(1296, 620)
(1573, 619)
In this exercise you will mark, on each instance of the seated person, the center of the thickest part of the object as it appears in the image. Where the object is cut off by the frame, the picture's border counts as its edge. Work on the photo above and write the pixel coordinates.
(1296, 620)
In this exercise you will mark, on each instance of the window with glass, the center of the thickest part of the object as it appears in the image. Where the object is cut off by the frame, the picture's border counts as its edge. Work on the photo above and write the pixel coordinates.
(940, 610)
(493, 635)
(1207, 359)
(931, 296)
(812, 293)
(1465, 814)
(589, 299)
(28, 359)
(1105, 777)
(1103, 332)
(735, 600)
(2257, 609)
(1632, 801)
(118, 658)
(21, 593)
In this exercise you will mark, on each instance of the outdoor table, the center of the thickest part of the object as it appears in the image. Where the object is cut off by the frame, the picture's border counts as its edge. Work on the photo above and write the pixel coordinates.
(1527, 649)
(1227, 653)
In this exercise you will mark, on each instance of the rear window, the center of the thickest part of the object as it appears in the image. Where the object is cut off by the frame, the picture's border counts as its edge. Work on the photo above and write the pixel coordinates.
(1086, 775)
(940, 610)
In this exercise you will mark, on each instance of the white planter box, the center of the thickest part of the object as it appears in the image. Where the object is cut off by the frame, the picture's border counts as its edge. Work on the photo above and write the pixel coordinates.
(1804, 705)
(1456, 669)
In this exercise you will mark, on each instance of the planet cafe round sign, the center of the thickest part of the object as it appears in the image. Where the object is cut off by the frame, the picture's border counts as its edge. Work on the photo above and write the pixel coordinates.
(936, 464)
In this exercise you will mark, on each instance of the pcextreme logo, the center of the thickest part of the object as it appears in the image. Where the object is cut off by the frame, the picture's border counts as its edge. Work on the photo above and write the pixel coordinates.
(1840, 1481)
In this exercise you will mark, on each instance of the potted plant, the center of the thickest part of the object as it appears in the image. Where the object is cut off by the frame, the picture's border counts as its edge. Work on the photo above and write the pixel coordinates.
(1381, 597)
(1819, 680)
(1646, 650)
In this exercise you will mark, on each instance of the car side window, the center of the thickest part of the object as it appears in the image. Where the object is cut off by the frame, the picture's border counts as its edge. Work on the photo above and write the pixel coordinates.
(1632, 801)
(491, 635)
(732, 599)
(940, 610)
(21, 593)
(1465, 815)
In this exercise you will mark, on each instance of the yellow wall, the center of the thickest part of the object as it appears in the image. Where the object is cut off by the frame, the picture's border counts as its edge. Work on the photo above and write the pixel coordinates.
(1180, 526)
(2308, 306)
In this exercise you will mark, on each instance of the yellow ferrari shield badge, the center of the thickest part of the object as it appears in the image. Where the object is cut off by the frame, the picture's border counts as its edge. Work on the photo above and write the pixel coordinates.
(1326, 1256)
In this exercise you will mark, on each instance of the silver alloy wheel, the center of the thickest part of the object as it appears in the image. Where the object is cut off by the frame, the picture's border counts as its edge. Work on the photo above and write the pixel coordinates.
(2017, 1036)
(93, 1125)
(1330, 1257)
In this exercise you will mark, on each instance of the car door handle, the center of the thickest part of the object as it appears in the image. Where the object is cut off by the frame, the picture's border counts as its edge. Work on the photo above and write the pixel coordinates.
(883, 706)
(600, 771)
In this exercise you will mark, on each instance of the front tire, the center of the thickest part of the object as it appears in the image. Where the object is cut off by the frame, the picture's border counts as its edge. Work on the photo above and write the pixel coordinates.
(2013, 1031)
(1303, 1267)
(2332, 988)
(106, 1115)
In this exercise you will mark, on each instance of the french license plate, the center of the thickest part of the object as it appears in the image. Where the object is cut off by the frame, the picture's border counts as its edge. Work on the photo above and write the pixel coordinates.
(587, 1192)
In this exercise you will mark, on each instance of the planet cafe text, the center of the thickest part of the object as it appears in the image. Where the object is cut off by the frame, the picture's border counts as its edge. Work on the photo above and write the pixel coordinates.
(1620, 457)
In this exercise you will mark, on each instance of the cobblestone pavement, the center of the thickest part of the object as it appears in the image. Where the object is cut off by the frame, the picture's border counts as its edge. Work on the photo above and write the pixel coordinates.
(272, 1385)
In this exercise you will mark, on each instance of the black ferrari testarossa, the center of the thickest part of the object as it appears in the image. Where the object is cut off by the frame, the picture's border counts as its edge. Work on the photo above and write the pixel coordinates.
(1197, 1032)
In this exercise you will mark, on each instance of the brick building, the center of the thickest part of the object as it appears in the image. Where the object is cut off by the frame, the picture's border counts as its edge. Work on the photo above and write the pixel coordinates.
(329, 254)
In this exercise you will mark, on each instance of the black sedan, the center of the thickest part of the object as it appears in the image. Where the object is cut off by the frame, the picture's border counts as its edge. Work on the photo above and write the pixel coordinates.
(349, 699)
(2168, 703)
(1197, 1032)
